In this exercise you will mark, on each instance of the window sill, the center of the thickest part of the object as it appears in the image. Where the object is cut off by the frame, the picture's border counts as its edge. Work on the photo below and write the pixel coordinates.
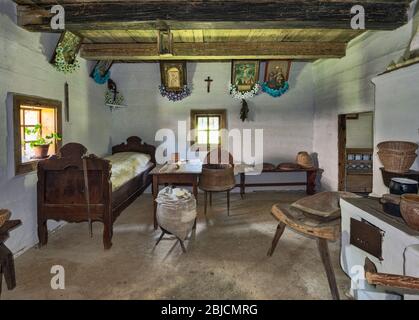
(27, 167)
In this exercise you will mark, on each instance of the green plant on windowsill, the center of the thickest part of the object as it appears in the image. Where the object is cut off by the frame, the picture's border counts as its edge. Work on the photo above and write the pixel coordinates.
(41, 145)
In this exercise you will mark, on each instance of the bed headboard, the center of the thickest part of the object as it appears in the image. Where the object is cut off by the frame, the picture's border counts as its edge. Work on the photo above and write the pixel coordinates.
(135, 144)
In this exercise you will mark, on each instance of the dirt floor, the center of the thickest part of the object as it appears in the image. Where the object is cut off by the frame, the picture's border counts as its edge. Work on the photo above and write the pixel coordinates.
(226, 258)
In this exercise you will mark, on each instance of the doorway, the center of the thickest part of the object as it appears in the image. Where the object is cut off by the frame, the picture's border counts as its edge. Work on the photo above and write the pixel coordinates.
(356, 148)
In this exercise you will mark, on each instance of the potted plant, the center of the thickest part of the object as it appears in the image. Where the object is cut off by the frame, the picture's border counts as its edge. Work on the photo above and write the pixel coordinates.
(41, 145)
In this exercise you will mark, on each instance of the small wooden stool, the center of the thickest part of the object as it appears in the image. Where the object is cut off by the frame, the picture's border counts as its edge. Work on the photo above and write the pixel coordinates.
(313, 226)
(7, 266)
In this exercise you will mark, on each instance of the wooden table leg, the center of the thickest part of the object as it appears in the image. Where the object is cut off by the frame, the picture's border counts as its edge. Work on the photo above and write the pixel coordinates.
(311, 182)
(242, 185)
(324, 253)
(195, 188)
(155, 193)
(7, 266)
(279, 231)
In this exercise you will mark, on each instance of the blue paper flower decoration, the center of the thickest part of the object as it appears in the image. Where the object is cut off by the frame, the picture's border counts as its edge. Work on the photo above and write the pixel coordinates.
(175, 96)
(276, 93)
(99, 78)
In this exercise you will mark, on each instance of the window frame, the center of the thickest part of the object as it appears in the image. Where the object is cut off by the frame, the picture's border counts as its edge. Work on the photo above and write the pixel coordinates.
(18, 101)
(221, 113)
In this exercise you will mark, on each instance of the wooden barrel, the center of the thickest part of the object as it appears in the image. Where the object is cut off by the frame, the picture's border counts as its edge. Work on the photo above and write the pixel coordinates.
(217, 177)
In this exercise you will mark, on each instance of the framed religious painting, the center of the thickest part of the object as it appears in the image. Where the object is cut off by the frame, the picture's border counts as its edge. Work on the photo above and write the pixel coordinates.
(245, 74)
(70, 44)
(277, 73)
(173, 75)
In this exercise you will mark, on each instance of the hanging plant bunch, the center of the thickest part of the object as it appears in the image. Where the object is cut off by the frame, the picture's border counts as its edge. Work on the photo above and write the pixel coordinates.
(112, 95)
(277, 91)
(240, 95)
(175, 96)
(62, 65)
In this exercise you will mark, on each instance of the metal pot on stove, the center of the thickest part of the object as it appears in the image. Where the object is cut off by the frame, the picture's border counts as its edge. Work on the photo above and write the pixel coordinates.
(400, 186)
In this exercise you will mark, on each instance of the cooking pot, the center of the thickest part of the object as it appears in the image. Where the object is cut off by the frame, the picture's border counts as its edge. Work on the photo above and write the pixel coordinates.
(400, 186)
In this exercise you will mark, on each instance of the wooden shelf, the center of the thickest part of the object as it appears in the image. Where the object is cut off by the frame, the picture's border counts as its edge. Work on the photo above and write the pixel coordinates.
(360, 173)
(359, 179)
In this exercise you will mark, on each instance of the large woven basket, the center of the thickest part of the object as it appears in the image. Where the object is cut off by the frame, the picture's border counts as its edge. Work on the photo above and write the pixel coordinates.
(397, 156)
(398, 147)
(397, 163)
(4, 216)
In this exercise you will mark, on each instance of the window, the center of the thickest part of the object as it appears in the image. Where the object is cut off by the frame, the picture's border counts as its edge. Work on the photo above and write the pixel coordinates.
(37, 126)
(207, 125)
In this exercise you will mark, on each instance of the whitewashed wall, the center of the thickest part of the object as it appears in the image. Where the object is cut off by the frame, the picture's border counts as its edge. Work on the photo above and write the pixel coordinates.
(24, 69)
(344, 86)
(287, 121)
(396, 115)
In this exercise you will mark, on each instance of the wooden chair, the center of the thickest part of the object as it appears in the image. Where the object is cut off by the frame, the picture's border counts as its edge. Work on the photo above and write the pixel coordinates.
(217, 175)
(322, 230)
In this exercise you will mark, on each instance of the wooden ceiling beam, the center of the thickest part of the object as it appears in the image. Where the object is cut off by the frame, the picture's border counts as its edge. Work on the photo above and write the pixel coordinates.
(215, 51)
(197, 14)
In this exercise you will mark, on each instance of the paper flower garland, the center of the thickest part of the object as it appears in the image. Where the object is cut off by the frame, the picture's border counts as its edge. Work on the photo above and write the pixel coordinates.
(175, 96)
(236, 94)
(112, 98)
(275, 92)
(62, 65)
(99, 78)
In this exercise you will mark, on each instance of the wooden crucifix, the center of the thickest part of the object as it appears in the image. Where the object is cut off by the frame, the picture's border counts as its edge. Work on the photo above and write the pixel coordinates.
(208, 81)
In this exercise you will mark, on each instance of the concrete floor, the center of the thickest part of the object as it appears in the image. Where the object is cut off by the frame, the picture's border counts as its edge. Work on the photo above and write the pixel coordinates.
(225, 260)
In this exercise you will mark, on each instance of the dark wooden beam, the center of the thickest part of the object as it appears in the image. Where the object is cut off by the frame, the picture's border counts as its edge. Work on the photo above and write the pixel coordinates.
(151, 14)
(215, 51)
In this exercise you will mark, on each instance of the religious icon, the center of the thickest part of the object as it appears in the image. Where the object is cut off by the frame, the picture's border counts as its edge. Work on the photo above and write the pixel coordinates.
(173, 75)
(71, 44)
(277, 73)
(245, 74)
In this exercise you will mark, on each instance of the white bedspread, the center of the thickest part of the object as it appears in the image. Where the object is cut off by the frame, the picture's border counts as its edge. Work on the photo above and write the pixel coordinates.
(125, 166)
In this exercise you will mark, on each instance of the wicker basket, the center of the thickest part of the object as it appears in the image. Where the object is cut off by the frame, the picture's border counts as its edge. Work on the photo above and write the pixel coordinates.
(4, 216)
(397, 163)
(398, 147)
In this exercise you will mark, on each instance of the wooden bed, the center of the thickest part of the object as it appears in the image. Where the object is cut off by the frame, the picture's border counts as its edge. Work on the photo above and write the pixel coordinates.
(61, 187)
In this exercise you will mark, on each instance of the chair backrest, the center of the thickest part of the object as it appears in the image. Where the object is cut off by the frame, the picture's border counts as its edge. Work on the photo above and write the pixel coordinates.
(219, 156)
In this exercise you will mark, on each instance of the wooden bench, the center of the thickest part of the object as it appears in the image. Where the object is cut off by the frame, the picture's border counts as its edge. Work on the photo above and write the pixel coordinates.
(270, 168)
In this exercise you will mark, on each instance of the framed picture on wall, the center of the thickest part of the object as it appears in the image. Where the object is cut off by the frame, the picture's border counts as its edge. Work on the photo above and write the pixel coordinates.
(173, 75)
(71, 44)
(245, 74)
(276, 73)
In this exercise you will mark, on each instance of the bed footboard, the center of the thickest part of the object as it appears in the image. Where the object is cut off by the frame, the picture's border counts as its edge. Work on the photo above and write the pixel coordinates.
(61, 190)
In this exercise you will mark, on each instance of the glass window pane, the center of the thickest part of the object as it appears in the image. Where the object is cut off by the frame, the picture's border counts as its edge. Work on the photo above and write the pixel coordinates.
(27, 152)
(202, 137)
(202, 123)
(214, 123)
(31, 117)
(30, 137)
(214, 137)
